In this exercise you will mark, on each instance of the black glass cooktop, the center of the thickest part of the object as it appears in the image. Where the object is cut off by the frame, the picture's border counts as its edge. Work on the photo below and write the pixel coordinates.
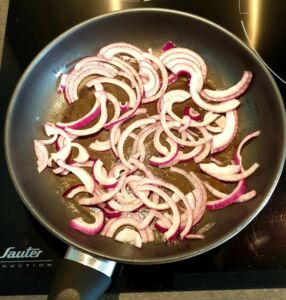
(255, 258)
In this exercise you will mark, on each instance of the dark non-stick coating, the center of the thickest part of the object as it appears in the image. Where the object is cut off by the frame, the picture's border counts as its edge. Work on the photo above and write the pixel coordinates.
(35, 101)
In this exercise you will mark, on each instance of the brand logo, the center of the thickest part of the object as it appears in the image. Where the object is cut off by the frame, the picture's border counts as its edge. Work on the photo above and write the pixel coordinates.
(27, 253)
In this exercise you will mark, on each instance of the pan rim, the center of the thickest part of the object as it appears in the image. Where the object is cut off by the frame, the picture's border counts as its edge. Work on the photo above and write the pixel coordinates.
(160, 260)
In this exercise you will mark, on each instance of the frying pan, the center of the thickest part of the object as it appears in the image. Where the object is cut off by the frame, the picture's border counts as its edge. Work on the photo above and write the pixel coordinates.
(90, 260)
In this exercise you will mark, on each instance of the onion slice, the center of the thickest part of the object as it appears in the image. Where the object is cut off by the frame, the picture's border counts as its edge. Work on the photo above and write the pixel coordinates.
(222, 140)
(101, 95)
(89, 228)
(212, 168)
(130, 236)
(42, 155)
(161, 161)
(126, 221)
(74, 190)
(229, 199)
(231, 177)
(82, 175)
(230, 93)
(126, 133)
(100, 175)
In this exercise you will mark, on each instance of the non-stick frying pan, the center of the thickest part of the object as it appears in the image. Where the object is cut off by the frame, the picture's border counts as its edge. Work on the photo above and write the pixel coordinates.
(35, 101)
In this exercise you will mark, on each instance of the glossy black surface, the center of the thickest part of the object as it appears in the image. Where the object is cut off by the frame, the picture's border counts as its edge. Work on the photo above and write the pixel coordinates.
(255, 258)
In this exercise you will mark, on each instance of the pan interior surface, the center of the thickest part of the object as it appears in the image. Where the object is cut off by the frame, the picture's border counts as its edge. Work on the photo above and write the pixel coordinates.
(35, 101)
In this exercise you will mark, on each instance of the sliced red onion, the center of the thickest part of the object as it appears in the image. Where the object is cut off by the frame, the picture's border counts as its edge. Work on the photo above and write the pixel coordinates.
(206, 149)
(173, 230)
(231, 177)
(117, 169)
(96, 199)
(126, 221)
(125, 207)
(159, 147)
(52, 129)
(212, 168)
(138, 145)
(130, 236)
(216, 161)
(118, 48)
(145, 199)
(63, 171)
(246, 197)
(77, 76)
(122, 192)
(105, 145)
(186, 124)
(214, 129)
(218, 194)
(195, 86)
(121, 64)
(228, 200)
(100, 64)
(237, 156)
(42, 155)
(62, 84)
(82, 175)
(171, 79)
(221, 121)
(101, 95)
(74, 190)
(179, 66)
(147, 221)
(83, 155)
(208, 119)
(99, 173)
(168, 45)
(194, 114)
(124, 197)
(124, 107)
(50, 141)
(134, 101)
(199, 193)
(165, 160)
(109, 212)
(92, 114)
(163, 223)
(107, 225)
(59, 142)
(121, 84)
(222, 140)
(167, 126)
(171, 97)
(126, 133)
(164, 81)
(204, 153)
(139, 165)
(184, 157)
(181, 52)
(127, 68)
(193, 236)
(64, 152)
(89, 228)
(152, 85)
(175, 190)
(160, 226)
(230, 93)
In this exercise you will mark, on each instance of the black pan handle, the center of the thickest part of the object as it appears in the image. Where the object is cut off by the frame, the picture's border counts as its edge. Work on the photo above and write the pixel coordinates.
(81, 276)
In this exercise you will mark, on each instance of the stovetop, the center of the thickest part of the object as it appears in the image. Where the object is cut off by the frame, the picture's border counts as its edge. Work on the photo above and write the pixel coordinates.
(255, 258)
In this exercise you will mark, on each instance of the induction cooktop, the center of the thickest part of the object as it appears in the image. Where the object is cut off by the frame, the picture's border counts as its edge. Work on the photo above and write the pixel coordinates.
(255, 258)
